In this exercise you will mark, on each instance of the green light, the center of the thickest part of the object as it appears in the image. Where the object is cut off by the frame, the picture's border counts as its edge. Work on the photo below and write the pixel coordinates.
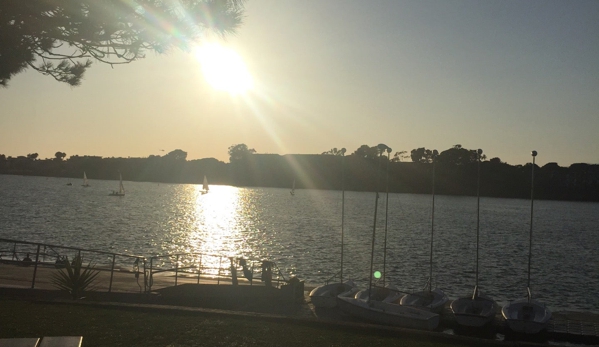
(377, 274)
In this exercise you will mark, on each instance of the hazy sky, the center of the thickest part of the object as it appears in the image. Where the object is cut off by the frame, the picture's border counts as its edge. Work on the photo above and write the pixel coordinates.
(504, 76)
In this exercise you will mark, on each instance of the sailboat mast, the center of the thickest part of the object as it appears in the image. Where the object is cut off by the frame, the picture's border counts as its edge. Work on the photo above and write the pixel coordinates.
(386, 219)
(532, 201)
(381, 148)
(479, 152)
(342, 208)
(430, 274)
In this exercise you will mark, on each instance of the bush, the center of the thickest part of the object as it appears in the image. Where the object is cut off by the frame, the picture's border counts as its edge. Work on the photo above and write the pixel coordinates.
(75, 278)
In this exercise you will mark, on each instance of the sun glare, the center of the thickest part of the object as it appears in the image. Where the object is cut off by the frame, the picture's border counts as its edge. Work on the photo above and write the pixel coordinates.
(224, 69)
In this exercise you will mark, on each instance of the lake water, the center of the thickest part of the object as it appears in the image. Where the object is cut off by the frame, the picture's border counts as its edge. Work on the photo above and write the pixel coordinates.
(302, 233)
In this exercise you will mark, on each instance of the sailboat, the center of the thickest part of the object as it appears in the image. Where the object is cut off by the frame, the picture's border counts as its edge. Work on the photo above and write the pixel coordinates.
(121, 191)
(430, 299)
(476, 310)
(527, 315)
(205, 188)
(326, 295)
(378, 304)
(85, 184)
(292, 192)
(388, 292)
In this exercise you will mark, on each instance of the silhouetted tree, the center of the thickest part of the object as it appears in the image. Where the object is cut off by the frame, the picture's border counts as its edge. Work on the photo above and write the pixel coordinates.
(457, 155)
(239, 152)
(333, 151)
(62, 35)
(421, 155)
(32, 156)
(367, 152)
(400, 156)
(60, 155)
(177, 154)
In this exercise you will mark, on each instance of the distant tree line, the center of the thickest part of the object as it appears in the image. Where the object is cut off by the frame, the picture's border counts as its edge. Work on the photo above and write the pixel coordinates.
(365, 169)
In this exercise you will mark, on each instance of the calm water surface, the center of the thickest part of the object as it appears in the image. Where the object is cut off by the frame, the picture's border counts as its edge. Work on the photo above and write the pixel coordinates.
(302, 233)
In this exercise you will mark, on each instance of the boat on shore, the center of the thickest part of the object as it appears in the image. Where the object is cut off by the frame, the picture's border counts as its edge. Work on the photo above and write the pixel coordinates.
(475, 311)
(429, 299)
(390, 293)
(326, 295)
(527, 315)
(387, 313)
(381, 304)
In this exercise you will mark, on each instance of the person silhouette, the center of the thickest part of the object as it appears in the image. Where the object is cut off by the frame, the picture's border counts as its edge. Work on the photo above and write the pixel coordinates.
(27, 261)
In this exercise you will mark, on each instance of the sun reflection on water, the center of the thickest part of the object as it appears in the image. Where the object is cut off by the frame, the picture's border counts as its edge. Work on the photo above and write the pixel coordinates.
(218, 226)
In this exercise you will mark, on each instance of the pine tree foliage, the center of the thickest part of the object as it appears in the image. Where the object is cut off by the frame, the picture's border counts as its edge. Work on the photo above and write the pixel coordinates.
(61, 38)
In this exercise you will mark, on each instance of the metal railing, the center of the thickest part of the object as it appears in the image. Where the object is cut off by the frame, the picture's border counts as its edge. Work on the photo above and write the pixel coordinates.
(211, 268)
(186, 267)
(38, 255)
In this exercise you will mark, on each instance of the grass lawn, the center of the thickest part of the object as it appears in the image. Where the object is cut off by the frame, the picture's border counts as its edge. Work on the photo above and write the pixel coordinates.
(121, 327)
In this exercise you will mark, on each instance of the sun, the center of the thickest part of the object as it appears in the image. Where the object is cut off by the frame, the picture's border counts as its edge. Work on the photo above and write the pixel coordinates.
(223, 68)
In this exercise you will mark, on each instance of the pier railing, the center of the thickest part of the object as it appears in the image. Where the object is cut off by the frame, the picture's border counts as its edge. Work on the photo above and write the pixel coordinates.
(210, 268)
(32, 265)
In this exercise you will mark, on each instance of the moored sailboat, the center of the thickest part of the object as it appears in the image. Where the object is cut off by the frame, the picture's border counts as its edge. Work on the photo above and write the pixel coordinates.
(476, 310)
(430, 299)
(326, 295)
(389, 313)
(527, 315)
(379, 304)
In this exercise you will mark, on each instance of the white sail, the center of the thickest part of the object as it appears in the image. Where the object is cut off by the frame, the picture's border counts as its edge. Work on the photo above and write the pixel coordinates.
(121, 191)
(121, 187)
(205, 187)
(85, 184)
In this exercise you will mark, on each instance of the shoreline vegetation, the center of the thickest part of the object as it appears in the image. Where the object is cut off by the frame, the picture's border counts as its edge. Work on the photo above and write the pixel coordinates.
(362, 170)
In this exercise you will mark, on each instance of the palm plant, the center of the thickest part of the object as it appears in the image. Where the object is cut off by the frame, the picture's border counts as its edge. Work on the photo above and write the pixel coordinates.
(75, 278)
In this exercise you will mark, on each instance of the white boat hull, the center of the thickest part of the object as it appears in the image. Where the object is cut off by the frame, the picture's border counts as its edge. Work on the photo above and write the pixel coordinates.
(326, 296)
(433, 301)
(389, 314)
(388, 294)
(523, 316)
(476, 312)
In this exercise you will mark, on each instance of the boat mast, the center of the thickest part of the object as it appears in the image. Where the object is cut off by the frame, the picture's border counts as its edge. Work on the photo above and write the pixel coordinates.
(430, 275)
(478, 152)
(342, 207)
(532, 201)
(386, 219)
(381, 148)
